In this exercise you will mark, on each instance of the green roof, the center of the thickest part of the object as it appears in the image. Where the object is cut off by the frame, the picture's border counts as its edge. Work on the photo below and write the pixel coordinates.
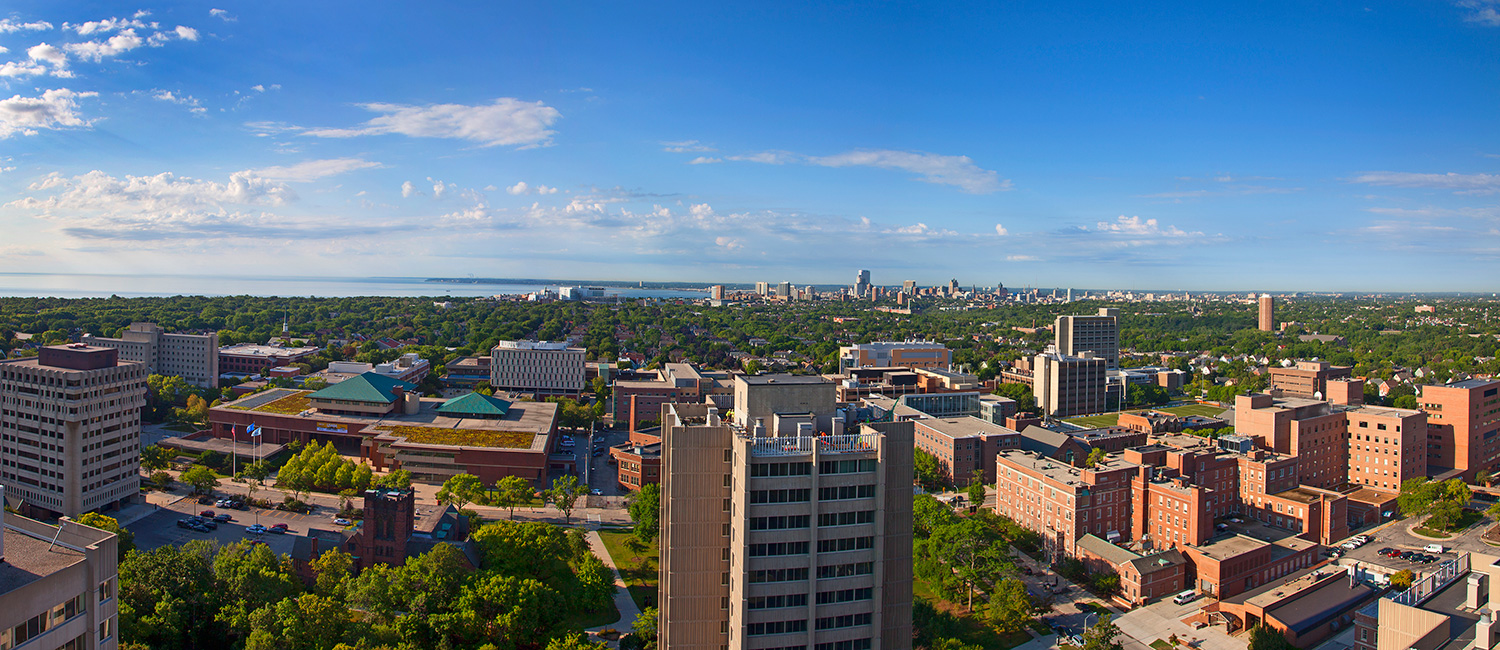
(474, 404)
(371, 387)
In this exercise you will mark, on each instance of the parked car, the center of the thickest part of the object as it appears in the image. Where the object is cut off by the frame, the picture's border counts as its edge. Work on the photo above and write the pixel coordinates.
(1433, 548)
(183, 523)
(342, 521)
(255, 529)
(279, 525)
(1385, 552)
(208, 524)
(197, 526)
(223, 518)
(276, 531)
(1407, 555)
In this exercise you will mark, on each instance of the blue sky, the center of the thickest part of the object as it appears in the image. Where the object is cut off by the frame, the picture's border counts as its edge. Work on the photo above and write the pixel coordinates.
(1266, 145)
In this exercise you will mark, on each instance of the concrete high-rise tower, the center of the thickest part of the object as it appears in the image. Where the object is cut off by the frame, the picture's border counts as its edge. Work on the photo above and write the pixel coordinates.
(1267, 313)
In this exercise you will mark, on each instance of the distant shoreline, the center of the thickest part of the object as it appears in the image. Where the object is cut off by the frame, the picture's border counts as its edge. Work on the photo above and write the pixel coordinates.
(614, 284)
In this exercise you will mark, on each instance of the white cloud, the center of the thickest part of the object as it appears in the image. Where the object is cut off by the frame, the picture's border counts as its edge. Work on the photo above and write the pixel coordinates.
(521, 188)
(258, 88)
(408, 190)
(704, 160)
(439, 188)
(728, 243)
(1022, 258)
(958, 171)
(16, 70)
(1138, 227)
(1000, 230)
(11, 26)
(48, 54)
(118, 44)
(55, 109)
(507, 121)
(222, 15)
(1484, 12)
(686, 146)
(1458, 183)
(187, 33)
(107, 25)
(312, 170)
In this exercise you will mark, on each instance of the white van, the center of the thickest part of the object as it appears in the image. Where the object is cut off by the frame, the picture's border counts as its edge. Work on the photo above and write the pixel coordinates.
(1433, 548)
(1185, 597)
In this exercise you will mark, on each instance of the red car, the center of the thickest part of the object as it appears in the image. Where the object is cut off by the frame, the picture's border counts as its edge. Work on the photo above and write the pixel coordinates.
(281, 526)
(206, 514)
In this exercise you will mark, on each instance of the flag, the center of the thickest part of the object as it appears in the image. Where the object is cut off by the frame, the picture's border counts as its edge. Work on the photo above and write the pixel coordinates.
(254, 431)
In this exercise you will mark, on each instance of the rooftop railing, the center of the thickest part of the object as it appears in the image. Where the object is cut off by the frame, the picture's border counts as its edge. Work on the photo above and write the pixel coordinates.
(804, 445)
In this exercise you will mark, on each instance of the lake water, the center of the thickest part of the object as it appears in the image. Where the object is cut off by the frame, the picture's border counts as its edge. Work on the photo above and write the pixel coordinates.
(70, 285)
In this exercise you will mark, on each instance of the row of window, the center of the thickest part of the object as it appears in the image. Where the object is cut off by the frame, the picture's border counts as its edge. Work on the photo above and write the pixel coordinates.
(39, 624)
(794, 495)
(846, 620)
(758, 470)
(776, 602)
(779, 548)
(798, 574)
(845, 544)
(775, 627)
(846, 518)
(845, 595)
(833, 493)
(783, 522)
(847, 466)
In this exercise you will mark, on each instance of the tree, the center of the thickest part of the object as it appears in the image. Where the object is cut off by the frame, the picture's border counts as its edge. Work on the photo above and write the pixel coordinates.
(510, 492)
(976, 488)
(1107, 583)
(645, 511)
(308, 622)
(398, 479)
(1401, 580)
(1101, 635)
(929, 472)
(155, 458)
(461, 490)
(1021, 393)
(1096, 456)
(363, 475)
(1263, 637)
(125, 539)
(1010, 606)
(564, 494)
(1483, 477)
(162, 479)
(644, 628)
(972, 555)
(248, 577)
(333, 570)
(574, 641)
(201, 478)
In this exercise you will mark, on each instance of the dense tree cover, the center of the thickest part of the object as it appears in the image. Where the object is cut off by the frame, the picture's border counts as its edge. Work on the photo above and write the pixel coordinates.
(645, 511)
(201, 595)
(1380, 333)
(929, 471)
(965, 557)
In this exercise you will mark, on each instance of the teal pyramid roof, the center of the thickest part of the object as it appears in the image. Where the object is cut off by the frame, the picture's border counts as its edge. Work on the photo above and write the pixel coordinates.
(371, 387)
(474, 404)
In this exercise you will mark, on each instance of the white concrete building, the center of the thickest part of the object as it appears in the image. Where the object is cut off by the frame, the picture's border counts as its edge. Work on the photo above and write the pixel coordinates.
(193, 357)
(540, 367)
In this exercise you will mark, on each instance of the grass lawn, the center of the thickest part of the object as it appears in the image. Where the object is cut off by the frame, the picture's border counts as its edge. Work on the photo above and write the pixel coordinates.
(1110, 419)
(180, 427)
(638, 570)
(1161, 645)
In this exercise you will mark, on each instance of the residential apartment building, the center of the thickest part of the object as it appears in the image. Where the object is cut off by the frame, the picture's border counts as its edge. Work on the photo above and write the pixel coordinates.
(537, 367)
(1307, 379)
(193, 357)
(1463, 425)
(784, 541)
(58, 585)
(252, 359)
(1267, 317)
(1099, 334)
(1066, 385)
(965, 447)
(70, 429)
(906, 354)
(1062, 502)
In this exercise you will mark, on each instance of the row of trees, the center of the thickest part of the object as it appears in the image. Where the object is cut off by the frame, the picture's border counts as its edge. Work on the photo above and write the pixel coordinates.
(533, 578)
(510, 493)
(321, 468)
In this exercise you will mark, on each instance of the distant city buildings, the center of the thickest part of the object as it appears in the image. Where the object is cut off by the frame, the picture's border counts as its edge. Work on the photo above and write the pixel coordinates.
(1066, 385)
(1099, 334)
(70, 429)
(193, 357)
(537, 367)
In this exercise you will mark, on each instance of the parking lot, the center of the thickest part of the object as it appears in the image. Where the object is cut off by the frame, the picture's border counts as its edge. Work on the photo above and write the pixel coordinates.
(1395, 535)
(160, 528)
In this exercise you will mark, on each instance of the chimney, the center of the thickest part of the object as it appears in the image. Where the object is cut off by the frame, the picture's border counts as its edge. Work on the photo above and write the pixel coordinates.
(1484, 634)
(759, 431)
(1478, 595)
(632, 414)
(713, 416)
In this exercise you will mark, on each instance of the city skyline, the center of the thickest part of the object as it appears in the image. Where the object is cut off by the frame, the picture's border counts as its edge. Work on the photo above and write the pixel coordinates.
(1201, 148)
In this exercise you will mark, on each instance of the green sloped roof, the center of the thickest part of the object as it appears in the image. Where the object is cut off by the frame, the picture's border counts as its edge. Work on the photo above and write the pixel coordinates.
(474, 404)
(369, 387)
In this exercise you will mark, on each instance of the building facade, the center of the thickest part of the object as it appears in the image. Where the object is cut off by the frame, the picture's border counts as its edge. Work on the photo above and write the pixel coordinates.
(1307, 379)
(1099, 334)
(193, 357)
(1463, 429)
(906, 354)
(70, 429)
(965, 447)
(1267, 315)
(784, 541)
(1066, 385)
(537, 367)
(58, 585)
(252, 359)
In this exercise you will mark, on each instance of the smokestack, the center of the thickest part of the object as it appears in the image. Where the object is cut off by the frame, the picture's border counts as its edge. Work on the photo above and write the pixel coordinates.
(632, 414)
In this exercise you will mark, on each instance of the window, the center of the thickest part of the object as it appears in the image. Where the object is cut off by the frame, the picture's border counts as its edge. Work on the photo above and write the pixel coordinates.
(845, 595)
(846, 492)
(846, 518)
(775, 627)
(844, 544)
(847, 466)
(780, 469)
(779, 575)
(847, 620)
(846, 570)
(796, 495)
(855, 644)
(779, 548)
(780, 522)
(775, 602)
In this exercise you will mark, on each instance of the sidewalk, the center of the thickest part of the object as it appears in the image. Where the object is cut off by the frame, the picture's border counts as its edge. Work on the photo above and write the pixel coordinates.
(623, 602)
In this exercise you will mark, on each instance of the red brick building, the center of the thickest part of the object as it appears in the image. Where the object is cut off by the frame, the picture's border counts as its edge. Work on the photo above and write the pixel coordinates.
(1463, 425)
